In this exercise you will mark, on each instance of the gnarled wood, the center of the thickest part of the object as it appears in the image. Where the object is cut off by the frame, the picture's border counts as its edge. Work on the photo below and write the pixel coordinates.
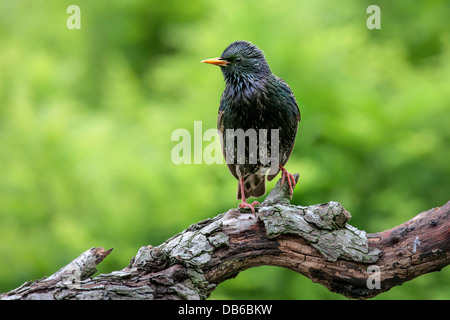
(315, 241)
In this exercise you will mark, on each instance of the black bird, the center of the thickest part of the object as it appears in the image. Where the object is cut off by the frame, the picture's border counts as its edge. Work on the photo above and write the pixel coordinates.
(254, 98)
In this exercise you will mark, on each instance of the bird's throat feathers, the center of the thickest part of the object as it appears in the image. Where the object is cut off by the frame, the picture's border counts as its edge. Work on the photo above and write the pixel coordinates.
(245, 88)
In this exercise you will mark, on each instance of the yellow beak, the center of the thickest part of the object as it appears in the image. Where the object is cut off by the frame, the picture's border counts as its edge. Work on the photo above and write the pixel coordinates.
(216, 61)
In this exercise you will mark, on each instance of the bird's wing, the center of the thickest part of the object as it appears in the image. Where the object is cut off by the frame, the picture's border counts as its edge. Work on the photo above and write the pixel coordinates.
(293, 101)
(294, 107)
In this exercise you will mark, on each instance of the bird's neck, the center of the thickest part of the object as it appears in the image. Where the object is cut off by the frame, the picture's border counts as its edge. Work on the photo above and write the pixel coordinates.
(246, 88)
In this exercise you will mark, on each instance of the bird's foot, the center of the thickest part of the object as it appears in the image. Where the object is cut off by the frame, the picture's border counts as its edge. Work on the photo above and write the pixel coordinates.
(290, 180)
(245, 204)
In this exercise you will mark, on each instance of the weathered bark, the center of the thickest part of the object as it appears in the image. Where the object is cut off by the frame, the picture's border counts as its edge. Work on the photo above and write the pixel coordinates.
(315, 241)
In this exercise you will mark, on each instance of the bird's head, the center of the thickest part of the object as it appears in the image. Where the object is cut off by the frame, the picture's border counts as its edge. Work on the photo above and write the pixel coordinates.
(242, 61)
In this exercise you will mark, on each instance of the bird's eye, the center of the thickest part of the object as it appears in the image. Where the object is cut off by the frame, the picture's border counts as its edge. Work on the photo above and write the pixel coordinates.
(238, 59)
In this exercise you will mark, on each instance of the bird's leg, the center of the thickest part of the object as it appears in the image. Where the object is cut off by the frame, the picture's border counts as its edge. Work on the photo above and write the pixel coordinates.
(244, 203)
(290, 179)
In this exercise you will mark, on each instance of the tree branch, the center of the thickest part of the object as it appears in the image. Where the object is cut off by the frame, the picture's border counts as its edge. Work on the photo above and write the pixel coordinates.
(315, 241)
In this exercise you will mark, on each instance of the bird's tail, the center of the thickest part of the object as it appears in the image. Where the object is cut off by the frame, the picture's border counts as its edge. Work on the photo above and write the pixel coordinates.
(254, 186)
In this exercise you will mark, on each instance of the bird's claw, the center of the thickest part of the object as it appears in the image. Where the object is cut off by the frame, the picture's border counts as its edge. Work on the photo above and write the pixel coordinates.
(290, 180)
(245, 204)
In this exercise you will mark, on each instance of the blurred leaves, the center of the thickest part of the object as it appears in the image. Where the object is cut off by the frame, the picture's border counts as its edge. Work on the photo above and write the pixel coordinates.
(86, 118)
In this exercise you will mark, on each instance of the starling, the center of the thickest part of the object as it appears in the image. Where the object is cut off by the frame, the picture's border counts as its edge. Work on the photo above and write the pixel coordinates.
(255, 103)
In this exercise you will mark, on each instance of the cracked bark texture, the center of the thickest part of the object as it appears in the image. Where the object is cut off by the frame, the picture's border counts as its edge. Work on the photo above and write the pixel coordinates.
(315, 241)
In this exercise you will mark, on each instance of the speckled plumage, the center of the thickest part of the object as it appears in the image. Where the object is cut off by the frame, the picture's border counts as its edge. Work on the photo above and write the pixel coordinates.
(256, 99)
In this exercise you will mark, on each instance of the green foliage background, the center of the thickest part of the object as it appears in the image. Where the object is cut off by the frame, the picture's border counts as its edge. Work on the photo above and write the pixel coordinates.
(86, 118)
